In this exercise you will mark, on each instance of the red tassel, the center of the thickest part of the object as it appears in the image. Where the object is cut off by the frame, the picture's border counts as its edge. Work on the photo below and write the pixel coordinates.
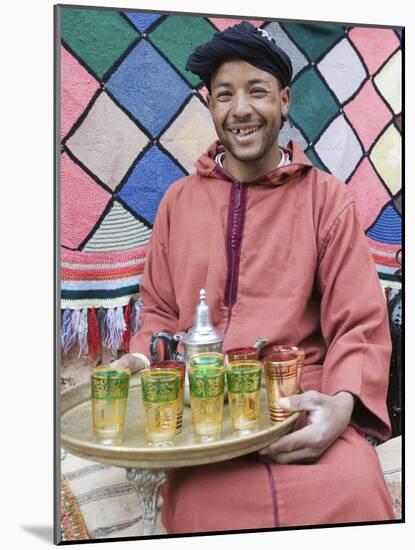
(127, 333)
(94, 336)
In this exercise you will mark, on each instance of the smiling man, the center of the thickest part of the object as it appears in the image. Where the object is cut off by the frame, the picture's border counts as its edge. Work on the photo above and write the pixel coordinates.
(247, 106)
(278, 247)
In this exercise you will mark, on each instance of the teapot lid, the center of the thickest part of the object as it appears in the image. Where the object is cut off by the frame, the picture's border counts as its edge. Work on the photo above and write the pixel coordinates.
(202, 331)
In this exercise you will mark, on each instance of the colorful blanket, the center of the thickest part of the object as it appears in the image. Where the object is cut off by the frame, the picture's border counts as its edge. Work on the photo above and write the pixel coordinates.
(133, 121)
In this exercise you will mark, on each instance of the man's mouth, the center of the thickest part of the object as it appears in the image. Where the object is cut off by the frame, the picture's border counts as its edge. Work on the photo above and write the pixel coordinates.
(246, 131)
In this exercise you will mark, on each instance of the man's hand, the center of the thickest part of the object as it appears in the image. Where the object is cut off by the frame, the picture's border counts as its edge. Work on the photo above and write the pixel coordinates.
(131, 362)
(327, 418)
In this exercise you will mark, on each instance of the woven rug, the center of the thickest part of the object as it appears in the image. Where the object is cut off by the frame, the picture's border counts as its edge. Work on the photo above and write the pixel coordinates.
(72, 523)
(97, 501)
(133, 121)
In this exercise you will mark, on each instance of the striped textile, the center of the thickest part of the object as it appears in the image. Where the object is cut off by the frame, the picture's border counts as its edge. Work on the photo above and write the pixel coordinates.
(100, 279)
(119, 231)
(107, 501)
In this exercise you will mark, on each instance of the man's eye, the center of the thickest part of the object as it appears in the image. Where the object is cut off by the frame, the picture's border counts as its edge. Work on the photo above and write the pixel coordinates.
(258, 91)
(223, 95)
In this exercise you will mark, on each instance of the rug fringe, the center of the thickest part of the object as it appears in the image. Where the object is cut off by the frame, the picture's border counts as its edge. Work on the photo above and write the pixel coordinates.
(94, 328)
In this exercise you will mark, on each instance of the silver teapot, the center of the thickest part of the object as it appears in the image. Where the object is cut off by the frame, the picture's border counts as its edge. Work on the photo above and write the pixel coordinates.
(202, 337)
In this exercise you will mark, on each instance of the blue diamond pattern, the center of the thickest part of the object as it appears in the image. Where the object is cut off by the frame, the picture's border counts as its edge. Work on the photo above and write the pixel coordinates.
(148, 182)
(147, 86)
(388, 227)
(142, 20)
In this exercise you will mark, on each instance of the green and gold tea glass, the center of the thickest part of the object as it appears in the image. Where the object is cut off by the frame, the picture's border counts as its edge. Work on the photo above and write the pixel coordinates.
(160, 394)
(109, 393)
(207, 389)
(180, 367)
(207, 359)
(244, 389)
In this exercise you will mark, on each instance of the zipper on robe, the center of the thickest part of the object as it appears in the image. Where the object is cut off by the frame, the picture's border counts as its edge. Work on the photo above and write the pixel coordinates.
(236, 218)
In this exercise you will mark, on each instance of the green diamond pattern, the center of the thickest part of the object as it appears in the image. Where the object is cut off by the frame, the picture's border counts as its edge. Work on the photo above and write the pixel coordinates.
(98, 37)
(314, 40)
(312, 105)
(314, 159)
(178, 36)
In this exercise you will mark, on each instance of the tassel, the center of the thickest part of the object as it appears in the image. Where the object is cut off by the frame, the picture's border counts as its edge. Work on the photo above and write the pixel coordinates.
(135, 315)
(114, 328)
(101, 315)
(127, 333)
(94, 334)
(83, 332)
(68, 335)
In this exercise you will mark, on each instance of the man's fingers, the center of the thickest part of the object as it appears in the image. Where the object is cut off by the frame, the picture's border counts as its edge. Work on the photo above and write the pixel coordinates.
(293, 441)
(307, 401)
(122, 362)
(129, 361)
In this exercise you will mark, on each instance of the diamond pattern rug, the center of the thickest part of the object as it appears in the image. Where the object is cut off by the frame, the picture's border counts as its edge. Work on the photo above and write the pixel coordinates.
(133, 121)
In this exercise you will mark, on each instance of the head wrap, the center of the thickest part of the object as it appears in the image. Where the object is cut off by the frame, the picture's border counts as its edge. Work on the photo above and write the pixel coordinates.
(242, 41)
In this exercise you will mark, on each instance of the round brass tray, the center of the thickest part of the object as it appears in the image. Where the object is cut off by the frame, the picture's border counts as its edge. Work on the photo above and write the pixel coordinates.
(77, 436)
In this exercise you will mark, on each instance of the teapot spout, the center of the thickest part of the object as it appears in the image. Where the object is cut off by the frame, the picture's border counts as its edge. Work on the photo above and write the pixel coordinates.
(260, 342)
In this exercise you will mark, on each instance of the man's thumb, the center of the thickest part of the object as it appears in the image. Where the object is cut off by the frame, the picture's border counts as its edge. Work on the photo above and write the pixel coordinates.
(290, 403)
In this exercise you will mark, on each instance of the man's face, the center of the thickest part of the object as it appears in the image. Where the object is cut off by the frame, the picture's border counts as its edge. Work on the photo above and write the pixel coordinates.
(246, 105)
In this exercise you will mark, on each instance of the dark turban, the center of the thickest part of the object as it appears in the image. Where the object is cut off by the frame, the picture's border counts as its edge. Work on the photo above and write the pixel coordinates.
(242, 41)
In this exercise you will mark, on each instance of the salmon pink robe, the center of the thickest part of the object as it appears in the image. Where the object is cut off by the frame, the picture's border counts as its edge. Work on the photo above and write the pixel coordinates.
(281, 256)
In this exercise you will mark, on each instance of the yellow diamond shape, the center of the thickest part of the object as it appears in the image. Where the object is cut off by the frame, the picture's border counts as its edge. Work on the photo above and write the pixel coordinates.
(386, 156)
(190, 134)
(389, 82)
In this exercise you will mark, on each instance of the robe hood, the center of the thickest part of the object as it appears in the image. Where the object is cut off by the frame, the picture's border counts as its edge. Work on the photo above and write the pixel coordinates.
(300, 164)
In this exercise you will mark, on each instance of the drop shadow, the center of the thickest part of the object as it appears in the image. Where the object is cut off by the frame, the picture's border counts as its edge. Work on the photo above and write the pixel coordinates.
(43, 532)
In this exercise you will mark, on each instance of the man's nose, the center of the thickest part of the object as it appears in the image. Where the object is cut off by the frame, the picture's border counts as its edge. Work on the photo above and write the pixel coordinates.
(241, 105)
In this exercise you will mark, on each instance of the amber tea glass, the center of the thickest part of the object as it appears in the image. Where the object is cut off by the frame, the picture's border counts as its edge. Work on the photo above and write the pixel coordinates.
(244, 388)
(160, 392)
(288, 352)
(281, 381)
(244, 353)
(109, 393)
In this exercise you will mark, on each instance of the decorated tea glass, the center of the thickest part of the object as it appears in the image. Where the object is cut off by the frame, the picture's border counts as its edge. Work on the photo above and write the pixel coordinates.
(109, 393)
(244, 389)
(160, 393)
(207, 387)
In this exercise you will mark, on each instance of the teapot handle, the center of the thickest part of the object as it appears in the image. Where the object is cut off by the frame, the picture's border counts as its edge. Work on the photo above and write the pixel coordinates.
(170, 343)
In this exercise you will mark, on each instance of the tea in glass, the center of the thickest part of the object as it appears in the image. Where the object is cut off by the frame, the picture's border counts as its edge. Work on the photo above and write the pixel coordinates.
(160, 392)
(180, 367)
(109, 393)
(244, 389)
(288, 352)
(281, 380)
(207, 385)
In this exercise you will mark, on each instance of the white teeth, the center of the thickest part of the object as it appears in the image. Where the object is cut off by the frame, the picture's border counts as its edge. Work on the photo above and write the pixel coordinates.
(244, 131)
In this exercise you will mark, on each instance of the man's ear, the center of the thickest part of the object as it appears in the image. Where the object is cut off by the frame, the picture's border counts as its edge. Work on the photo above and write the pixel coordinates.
(285, 95)
(209, 101)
